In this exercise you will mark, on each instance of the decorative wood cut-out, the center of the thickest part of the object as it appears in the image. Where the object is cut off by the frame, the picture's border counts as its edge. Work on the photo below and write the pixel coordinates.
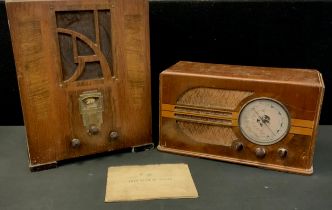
(85, 44)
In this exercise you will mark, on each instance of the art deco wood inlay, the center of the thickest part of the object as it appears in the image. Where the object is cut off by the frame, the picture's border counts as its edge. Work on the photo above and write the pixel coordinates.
(85, 44)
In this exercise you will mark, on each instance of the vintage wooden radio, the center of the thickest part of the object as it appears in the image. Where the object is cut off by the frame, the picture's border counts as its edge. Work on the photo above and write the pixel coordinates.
(84, 75)
(265, 117)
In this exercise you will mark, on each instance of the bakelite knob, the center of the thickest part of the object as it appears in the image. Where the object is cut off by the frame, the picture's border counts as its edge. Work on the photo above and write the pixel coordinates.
(260, 152)
(75, 143)
(93, 130)
(114, 135)
(238, 146)
(282, 152)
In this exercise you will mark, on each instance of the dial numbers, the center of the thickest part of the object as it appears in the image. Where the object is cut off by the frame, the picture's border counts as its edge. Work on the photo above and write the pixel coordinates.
(264, 121)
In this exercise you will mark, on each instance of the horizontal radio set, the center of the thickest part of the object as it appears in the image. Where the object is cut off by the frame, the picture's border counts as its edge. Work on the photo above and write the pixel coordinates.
(265, 117)
(83, 69)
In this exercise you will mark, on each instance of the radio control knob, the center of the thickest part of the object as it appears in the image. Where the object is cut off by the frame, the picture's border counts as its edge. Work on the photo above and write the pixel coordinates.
(93, 129)
(238, 146)
(114, 135)
(260, 152)
(75, 143)
(282, 152)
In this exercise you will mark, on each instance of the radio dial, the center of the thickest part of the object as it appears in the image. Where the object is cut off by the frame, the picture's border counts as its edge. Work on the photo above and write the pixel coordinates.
(264, 121)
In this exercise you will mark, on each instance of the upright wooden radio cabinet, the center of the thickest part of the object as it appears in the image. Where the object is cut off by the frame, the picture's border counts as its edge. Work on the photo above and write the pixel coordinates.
(84, 75)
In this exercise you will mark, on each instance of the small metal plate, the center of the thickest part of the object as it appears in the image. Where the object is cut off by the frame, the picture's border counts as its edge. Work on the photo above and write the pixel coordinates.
(91, 108)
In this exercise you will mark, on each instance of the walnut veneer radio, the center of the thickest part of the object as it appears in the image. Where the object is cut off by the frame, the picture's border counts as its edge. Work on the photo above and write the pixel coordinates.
(84, 75)
(265, 117)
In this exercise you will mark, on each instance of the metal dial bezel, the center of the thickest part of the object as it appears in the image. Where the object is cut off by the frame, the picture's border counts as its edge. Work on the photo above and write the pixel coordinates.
(271, 142)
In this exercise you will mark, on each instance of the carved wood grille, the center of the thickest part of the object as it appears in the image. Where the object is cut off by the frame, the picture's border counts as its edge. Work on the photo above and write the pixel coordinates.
(200, 109)
(85, 44)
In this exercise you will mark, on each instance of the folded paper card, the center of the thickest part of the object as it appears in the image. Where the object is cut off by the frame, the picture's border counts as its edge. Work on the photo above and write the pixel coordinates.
(146, 182)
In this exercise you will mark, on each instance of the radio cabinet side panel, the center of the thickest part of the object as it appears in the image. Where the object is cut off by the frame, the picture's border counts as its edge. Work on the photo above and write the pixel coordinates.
(134, 71)
(32, 44)
(321, 89)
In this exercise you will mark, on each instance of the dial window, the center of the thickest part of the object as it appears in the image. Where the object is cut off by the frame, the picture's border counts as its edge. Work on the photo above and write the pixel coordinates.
(264, 121)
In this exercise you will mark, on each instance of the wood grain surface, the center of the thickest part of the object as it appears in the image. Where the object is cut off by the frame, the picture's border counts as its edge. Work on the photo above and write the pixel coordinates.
(64, 49)
(204, 127)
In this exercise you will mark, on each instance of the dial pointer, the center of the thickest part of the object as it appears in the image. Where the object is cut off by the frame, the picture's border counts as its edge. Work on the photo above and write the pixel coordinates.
(263, 121)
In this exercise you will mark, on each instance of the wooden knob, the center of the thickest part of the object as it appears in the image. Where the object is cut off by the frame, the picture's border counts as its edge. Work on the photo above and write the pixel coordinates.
(75, 143)
(260, 152)
(238, 146)
(114, 135)
(93, 130)
(282, 152)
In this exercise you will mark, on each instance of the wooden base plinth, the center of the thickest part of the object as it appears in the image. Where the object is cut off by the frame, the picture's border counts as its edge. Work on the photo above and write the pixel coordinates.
(239, 161)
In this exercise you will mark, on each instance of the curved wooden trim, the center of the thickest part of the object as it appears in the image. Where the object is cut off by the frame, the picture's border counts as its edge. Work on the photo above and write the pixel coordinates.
(78, 72)
(107, 73)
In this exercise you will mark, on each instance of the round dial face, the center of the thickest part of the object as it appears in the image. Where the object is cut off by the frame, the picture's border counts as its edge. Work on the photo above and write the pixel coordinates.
(264, 121)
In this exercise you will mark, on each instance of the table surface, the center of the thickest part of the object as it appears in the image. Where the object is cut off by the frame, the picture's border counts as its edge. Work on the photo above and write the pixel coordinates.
(81, 184)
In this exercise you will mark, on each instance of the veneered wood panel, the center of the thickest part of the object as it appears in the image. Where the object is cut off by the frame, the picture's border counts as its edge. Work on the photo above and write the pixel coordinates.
(299, 90)
(110, 55)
